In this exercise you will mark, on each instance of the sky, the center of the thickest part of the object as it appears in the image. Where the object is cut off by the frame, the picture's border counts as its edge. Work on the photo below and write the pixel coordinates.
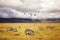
(34, 9)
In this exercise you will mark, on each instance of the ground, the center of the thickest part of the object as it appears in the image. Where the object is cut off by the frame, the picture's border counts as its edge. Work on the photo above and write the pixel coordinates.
(29, 31)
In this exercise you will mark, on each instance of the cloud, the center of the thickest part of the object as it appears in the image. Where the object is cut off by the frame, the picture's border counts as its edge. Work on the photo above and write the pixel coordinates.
(34, 9)
(35, 5)
(12, 13)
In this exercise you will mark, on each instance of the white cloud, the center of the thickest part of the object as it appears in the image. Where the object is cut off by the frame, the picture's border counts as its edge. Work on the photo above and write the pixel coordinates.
(12, 13)
(37, 5)
(8, 8)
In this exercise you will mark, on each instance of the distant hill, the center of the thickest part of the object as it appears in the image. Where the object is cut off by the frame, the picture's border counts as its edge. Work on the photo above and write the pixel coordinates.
(20, 20)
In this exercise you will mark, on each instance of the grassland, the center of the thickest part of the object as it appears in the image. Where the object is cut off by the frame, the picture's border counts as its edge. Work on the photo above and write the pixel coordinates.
(41, 31)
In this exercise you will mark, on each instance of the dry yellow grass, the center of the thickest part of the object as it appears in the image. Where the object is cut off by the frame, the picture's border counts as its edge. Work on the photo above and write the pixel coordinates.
(37, 31)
